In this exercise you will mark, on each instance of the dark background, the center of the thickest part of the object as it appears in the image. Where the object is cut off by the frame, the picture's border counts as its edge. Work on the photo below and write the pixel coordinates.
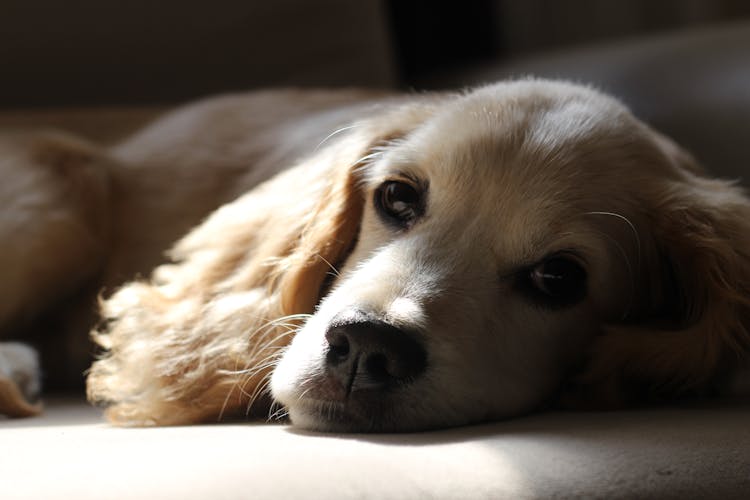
(107, 52)
(430, 36)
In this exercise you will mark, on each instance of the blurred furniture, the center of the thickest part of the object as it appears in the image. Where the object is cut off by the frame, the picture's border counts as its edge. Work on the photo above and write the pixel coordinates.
(88, 52)
(694, 85)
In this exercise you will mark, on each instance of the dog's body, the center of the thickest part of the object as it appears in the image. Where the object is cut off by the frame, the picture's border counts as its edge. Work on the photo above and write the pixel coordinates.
(438, 259)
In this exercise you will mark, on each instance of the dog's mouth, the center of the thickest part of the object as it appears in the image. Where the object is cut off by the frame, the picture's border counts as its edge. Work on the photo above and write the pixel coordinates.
(377, 413)
(324, 403)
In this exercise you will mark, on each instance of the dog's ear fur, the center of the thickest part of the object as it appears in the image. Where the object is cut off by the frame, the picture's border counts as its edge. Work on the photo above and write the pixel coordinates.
(199, 339)
(700, 331)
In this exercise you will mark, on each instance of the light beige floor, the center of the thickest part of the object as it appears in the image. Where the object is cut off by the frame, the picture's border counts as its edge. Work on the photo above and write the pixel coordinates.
(71, 453)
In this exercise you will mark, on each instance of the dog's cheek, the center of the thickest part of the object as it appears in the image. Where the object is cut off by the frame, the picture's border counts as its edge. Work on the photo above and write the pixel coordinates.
(512, 365)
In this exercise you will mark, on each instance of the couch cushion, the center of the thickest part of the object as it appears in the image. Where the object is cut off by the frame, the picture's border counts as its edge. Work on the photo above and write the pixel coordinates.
(71, 453)
(693, 85)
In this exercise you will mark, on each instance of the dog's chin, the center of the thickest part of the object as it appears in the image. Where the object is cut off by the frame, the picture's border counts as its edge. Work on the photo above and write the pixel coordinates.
(379, 415)
(331, 416)
(354, 416)
(349, 415)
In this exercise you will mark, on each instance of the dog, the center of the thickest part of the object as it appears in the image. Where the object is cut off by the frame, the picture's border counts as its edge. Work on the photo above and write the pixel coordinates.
(367, 262)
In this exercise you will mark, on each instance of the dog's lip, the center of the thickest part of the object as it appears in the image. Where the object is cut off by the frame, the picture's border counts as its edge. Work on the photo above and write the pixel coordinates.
(328, 406)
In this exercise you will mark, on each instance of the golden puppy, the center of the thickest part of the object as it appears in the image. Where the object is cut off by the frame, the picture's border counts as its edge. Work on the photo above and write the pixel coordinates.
(396, 262)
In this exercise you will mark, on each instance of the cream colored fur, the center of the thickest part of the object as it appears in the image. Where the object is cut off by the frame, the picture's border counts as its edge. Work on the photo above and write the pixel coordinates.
(516, 172)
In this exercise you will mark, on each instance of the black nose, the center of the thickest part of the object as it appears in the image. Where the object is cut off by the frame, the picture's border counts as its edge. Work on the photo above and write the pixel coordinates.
(373, 355)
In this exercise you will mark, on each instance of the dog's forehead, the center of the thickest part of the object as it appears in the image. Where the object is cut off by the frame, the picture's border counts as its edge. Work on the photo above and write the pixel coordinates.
(515, 157)
(527, 125)
(512, 138)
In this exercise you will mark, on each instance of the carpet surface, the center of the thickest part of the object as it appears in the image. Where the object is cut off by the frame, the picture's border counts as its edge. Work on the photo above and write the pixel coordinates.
(689, 452)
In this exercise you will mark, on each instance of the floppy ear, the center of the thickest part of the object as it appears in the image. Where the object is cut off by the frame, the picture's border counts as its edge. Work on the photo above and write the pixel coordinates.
(700, 332)
(199, 339)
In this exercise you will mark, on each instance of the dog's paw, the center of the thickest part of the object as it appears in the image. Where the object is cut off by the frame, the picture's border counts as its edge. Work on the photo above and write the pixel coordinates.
(20, 380)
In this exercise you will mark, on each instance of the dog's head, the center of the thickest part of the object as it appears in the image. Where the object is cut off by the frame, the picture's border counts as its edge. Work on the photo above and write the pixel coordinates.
(504, 238)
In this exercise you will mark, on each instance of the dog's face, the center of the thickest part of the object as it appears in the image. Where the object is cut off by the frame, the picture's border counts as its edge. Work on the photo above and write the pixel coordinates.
(496, 239)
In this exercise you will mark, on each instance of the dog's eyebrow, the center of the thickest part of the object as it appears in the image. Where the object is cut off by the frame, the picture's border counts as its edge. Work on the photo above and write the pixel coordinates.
(411, 176)
(399, 169)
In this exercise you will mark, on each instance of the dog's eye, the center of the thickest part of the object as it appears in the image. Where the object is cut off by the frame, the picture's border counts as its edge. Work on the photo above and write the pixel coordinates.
(399, 202)
(557, 281)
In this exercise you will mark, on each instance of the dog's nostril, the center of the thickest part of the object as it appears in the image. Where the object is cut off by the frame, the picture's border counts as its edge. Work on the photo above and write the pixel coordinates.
(376, 367)
(338, 348)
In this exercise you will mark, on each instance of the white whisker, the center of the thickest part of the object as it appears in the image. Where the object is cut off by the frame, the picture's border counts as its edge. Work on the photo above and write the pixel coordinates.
(333, 268)
(265, 339)
(279, 413)
(333, 134)
(628, 265)
(632, 228)
(304, 393)
(259, 390)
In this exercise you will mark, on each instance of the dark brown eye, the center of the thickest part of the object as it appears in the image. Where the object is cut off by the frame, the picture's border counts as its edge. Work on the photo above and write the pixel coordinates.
(398, 202)
(557, 281)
